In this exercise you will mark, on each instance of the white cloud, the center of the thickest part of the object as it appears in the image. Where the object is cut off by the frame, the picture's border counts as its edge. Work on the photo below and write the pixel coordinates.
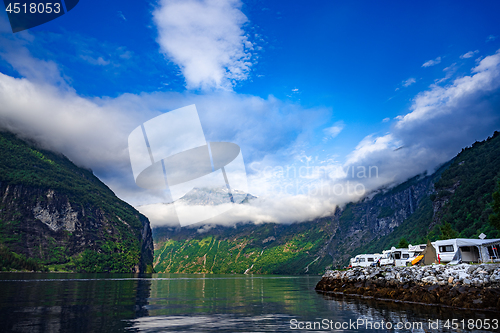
(409, 82)
(14, 51)
(432, 62)
(386, 120)
(93, 133)
(450, 70)
(99, 61)
(120, 14)
(332, 131)
(469, 54)
(445, 100)
(491, 38)
(206, 39)
(441, 121)
(370, 145)
(278, 209)
(90, 132)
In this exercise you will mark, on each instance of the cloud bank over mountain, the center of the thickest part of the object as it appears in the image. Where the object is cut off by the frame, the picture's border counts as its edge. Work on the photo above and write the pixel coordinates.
(285, 145)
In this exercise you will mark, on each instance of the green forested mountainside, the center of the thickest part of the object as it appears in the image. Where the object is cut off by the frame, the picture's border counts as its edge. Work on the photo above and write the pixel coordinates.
(495, 217)
(475, 173)
(414, 229)
(55, 215)
(264, 249)
(417, 227)
(461, 199)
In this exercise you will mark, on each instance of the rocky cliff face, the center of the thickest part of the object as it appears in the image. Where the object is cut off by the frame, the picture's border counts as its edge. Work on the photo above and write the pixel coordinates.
(64, 218)
(371, 219)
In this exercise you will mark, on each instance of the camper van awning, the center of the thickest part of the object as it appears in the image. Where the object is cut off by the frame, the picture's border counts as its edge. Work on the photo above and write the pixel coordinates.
(481, 244)
(467, 242)
(488, 242)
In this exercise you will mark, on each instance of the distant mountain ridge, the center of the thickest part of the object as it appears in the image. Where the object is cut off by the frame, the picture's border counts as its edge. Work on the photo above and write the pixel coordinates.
(214, 196)
(57, 216)
(459, 193)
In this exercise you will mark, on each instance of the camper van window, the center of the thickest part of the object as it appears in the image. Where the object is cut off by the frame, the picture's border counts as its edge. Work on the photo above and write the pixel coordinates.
(406, 256)
(397, 255)
(370, 259)
(361, 259)
(465, 249)
(446, 248)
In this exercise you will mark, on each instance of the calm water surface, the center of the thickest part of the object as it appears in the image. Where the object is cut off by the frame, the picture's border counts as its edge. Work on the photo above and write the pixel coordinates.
(201, 303)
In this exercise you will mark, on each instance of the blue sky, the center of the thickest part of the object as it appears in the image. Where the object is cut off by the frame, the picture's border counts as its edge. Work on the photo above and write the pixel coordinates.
(330, 83)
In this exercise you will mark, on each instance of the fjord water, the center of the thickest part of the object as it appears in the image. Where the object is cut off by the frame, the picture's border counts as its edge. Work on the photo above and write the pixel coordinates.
(60, 302)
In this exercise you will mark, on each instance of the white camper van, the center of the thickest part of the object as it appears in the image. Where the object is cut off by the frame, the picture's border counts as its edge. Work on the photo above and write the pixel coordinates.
(353, 261)
(395, 257)
(414, 251)
(365, 260)
(466, 250)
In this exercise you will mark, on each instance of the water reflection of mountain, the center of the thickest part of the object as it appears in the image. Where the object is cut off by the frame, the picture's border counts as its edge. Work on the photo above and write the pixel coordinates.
(177, 294)
(188, 302)
(71, 302)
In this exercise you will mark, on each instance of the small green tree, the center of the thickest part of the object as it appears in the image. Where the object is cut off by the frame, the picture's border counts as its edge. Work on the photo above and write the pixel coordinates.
(495, 217)
(403, 243)
(447, 232)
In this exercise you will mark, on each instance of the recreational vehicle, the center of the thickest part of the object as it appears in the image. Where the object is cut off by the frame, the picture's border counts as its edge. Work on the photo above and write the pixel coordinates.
(415, 251)
(416, 248)
(365, 260)
(352, 261)
(467, 250)
(395, 257)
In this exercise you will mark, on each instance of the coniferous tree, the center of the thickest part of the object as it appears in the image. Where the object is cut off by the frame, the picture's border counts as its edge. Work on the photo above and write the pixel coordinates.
(495, 217)
(447, 232)
(403, 243)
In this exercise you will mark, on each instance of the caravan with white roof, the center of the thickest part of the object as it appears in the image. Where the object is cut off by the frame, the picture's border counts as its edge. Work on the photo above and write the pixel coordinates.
(467, 250)
(365, 260)
(453, 251)
(395, 257)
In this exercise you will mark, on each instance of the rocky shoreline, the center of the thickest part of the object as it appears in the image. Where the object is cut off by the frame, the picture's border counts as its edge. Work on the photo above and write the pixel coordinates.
(461, 286)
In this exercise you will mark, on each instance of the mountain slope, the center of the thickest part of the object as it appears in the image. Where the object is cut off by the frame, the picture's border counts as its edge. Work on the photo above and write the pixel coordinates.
(214, 196)
(466, 188)
(253, 248)
(55, 215)
(459, 193)
(369, 221)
